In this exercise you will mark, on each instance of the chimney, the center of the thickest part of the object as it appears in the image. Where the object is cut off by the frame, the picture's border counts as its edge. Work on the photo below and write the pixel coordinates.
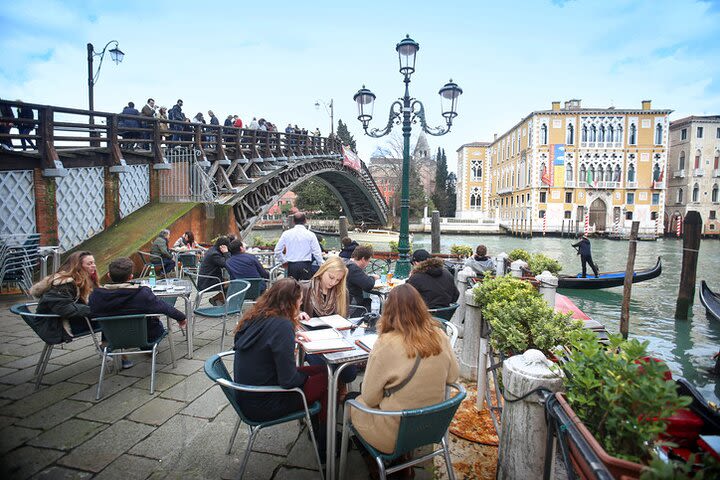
(495, 137)
(556, 106)
(646, 104)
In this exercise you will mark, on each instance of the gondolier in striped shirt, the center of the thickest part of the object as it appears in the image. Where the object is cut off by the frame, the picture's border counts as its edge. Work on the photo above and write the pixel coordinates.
(298, 247)
(585, 252)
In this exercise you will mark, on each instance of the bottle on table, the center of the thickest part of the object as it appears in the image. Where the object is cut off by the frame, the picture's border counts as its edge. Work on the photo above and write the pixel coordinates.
(383, 274)
(151, 278)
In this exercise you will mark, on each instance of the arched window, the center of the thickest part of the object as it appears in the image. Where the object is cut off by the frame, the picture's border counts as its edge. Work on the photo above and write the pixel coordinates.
(610, 134)
(633, 134)
(656, 173)
(608, 174)
(581, 173)
(697, 159)
(696, 192)
(543, 134)
(593, 133)
(569, 173)
(681, 161)
(714, 197)
(475, 198)
(631, 173)
(584, 134)
(658, 134)
(716, 162)
(601, 137)
(680, 196)
(618, 134)
(570, 134)
(477, 169)
(616, 177)
(591, 174)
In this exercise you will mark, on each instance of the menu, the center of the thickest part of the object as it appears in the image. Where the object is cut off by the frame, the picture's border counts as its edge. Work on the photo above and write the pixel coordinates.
(334, 321)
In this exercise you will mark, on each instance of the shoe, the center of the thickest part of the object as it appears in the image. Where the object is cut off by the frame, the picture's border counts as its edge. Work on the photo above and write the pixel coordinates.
(127, 364)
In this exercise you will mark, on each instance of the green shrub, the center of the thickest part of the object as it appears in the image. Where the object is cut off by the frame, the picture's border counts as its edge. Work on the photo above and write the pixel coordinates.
(519, 254)
(464, 251)
(393, 246)
(260, 242)
(540, 262)
(621, 398)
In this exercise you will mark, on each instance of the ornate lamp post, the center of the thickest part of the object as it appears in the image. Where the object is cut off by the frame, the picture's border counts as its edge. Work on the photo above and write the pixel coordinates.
(407, 110)
(330, 109)
(115, 54)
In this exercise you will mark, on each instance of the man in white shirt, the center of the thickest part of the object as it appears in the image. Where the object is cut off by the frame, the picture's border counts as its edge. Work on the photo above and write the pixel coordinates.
(298, 247)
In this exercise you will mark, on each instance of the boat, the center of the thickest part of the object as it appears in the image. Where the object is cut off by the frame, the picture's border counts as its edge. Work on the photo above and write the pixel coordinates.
(371, 236)
(608, 279)
(710, 300)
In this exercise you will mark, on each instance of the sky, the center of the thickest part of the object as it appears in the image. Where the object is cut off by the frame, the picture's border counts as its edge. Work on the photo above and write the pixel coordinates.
(277, 59)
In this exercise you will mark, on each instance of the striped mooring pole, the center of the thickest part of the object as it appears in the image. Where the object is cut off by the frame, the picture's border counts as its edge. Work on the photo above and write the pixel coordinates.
(587, 223)
(544, 223)
(678, 227)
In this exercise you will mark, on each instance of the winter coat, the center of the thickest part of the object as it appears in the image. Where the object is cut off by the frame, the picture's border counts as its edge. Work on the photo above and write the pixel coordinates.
(583, 247)
(175, 113)
(435, 284)
(348, 250)
(481, 264)
(212, 264)
(129, 299)
(160, 247)
(245, 265)
(265, 355)
(129, 122)
(358, 282)
(58, 297)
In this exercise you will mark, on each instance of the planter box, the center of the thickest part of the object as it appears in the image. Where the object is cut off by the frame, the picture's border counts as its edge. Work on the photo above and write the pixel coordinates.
(619, 468)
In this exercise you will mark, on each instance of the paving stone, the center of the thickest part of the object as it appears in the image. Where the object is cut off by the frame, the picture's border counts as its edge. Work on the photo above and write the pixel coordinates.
(5, 421)
(302, 454)
(27, 461)
(277, 440)
(190, 388)
(68, 434)
(209, 404)
(26, 340)
(7, 371)
(171, 437)
(20, 350)
(23, 362)
(60, 473)
(101, 450)
(129, 467)
(185, 366)
(285, 473)
(76, 355)
(54, 414)
(17, 392)
(4, 359)
(157, 411)
(259, 466)
(13, 436)
(163, 381)
(26, 375)
(43, 398)
(112, 383)
(77, 372)
(113, 408)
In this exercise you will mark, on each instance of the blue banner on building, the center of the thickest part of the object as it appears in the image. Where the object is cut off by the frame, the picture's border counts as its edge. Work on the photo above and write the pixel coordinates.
(558, 154)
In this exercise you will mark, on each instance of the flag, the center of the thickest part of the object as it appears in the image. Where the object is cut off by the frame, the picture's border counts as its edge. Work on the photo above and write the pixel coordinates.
(544, 177)
(350, 159)
(659, 179)
(590, 180)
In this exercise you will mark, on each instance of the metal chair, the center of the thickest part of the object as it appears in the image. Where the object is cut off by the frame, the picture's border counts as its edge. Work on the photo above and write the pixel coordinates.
(37, 321)
(128, 331)
(189, 261)
(215, 369)
(418, 427)
(445, 313)
(356, 311)
(450, 328)
(234, 297)
(149, 263)
(257, 287)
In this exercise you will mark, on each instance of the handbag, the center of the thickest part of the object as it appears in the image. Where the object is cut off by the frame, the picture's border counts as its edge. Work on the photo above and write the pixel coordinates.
(389, 391)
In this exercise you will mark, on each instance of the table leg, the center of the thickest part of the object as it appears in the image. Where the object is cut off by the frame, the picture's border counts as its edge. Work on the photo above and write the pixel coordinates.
(333, 381)
(189, 318)
(171, 341)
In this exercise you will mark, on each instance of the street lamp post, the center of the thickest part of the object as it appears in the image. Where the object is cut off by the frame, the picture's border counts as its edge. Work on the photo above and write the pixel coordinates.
(330, 109)
(115, 54)
(407, 110)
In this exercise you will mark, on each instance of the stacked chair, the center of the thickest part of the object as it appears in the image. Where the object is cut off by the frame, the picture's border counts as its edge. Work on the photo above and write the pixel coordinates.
(19, 255)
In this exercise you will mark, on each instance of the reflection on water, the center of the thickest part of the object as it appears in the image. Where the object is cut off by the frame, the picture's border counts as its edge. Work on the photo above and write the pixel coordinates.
(687, 346)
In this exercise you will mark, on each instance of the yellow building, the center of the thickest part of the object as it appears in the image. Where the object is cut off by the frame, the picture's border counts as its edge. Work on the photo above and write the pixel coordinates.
(556, 166)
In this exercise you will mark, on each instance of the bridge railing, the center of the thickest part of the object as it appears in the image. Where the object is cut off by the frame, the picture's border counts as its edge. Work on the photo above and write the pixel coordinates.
(53, 129)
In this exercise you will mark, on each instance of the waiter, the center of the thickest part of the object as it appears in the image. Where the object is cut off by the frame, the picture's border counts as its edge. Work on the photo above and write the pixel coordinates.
(298, 247)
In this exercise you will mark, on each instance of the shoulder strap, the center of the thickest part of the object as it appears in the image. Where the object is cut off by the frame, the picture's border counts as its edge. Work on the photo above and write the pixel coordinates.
(396, 388)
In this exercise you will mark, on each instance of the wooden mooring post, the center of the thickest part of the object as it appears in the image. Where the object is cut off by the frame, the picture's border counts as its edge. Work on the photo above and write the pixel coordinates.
(435, 232)
(627, 285)
(343, 227)
(691, 245)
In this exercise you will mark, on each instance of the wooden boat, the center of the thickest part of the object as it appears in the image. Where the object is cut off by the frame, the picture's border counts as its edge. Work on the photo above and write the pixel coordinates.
(372, 236)
(608, 279)
(710, 300)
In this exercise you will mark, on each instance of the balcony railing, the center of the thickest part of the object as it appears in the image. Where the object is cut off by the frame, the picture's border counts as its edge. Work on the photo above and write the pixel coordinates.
(569, 184)
(716, 172)
(658, 185)
(698, 172)
(679, 173)
(504, 190)
(630, 184)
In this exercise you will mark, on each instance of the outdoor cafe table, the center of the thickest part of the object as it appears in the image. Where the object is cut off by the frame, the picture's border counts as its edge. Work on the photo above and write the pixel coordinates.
(174, 287)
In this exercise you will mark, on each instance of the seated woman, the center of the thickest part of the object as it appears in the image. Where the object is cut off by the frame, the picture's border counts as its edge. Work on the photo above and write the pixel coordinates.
(407, 333)
(211, 268)
(265, 355)
(66, 293)
(187, 242)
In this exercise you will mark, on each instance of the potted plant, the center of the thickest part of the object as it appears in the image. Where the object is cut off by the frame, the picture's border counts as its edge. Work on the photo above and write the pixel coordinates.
(462, 251)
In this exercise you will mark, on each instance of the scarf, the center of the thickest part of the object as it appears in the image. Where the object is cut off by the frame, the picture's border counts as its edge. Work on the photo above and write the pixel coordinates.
(322, 304)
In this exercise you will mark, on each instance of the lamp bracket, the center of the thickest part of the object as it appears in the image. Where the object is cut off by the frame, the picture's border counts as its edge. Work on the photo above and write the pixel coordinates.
(393, 117)
(419, 114)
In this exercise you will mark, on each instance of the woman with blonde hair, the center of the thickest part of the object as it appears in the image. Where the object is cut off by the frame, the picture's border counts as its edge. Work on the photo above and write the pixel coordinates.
(409, 366)
(66, 292)
(326, 292)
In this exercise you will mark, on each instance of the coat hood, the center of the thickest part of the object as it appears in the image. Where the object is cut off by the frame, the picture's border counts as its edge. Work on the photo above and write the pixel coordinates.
(431, 266)
(115, 296)
(39, 289)
(250, 332)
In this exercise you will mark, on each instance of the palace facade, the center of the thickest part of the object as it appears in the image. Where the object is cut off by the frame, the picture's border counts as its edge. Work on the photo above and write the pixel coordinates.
(559, 168)
(694, 166)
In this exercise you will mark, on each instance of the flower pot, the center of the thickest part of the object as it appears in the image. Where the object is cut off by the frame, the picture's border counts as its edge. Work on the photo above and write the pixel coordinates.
(619, 468)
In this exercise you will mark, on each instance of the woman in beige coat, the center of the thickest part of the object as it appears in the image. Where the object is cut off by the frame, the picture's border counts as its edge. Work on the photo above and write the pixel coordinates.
(406, 331)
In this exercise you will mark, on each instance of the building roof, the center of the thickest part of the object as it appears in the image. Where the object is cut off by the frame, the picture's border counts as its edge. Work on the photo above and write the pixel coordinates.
(474, 144)
(695, 118)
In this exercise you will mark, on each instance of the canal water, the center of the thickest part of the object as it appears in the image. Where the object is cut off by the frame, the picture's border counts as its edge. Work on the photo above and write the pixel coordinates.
(687, 346)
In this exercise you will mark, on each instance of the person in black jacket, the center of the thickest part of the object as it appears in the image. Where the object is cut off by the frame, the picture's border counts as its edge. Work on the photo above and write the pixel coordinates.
(265, 355)
(6, 125)
(348, 246)
(25, 112)
(434, 282)
(244, 265)
(584, 250)
(357, 280)
(212, 265)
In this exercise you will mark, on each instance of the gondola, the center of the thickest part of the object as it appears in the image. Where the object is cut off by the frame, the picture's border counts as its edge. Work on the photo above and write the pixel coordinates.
(710, 300)
(608, 279)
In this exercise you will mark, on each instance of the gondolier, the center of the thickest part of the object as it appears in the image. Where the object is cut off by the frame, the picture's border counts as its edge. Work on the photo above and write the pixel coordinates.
(584, 250)
(298, 247)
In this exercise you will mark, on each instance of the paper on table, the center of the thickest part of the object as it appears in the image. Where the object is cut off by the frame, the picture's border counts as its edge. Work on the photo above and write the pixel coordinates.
(329, 345)
(367, 342)
(334, 321)
(324, 334)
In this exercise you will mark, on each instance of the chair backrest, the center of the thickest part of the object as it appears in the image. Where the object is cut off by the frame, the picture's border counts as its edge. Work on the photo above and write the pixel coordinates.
(235, 295)
(355, 311)
(450, 329)
(47, 326)
(257, 287)
(192, 275)
(215, 370)
(427, 425)
(188, 260)
(445, 312)
(125, 331)
(145, 257)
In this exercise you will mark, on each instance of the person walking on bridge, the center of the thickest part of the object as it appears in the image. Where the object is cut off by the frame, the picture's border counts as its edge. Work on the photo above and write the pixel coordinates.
(585, 252)
(176, 114)
(298, 247)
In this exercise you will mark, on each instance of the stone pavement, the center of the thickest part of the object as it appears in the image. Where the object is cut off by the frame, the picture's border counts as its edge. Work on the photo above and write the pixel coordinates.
(62, 432)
